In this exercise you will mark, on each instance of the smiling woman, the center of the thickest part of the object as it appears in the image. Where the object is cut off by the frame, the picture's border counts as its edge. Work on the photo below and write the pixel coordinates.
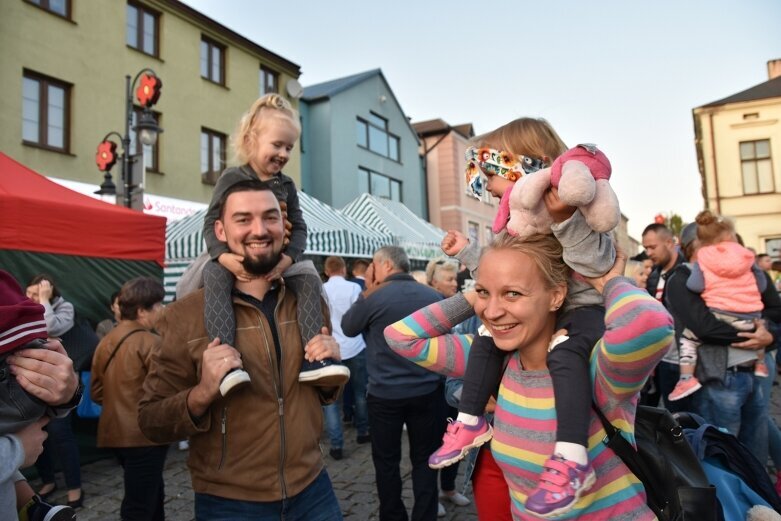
(518, 298)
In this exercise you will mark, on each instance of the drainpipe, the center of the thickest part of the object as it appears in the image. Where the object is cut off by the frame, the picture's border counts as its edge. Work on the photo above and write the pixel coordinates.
(715, 166)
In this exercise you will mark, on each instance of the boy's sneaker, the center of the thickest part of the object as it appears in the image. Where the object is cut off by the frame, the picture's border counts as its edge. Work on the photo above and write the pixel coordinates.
(684, 388)
(39, 510)
(458, 439)
(760, 369)
(561, 484)
(323, 373)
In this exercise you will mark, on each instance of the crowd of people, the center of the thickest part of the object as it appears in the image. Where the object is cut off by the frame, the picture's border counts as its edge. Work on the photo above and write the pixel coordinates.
(504, 357)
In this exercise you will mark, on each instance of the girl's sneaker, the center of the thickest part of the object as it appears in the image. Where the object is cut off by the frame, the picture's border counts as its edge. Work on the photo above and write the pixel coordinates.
(760, 369)
(459, 438)
(561, 484)
(684, 388)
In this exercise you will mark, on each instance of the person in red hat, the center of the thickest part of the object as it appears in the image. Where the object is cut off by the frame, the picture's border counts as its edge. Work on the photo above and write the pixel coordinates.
(37, 381)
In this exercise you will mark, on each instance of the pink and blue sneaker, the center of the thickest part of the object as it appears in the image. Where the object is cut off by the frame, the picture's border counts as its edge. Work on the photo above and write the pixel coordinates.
(561, 484)
(458, 439)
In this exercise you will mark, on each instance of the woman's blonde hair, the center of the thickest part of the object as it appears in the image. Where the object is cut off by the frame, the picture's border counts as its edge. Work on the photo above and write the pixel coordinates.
(533, 137)
(712, 229)
(437, 265)
(544, 250)
(267, 106)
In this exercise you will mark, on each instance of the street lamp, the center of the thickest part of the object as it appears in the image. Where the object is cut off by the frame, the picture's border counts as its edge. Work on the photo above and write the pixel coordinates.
(147, 130)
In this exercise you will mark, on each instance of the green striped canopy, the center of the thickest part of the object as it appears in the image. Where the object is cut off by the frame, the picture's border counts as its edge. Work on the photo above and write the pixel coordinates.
(419, 238)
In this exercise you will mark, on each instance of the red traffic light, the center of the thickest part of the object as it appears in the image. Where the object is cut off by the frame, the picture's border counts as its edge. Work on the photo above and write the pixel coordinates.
(106, 156)
(148, 92)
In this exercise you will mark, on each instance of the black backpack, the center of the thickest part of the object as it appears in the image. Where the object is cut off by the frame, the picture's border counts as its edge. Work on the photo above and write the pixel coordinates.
(676, 486)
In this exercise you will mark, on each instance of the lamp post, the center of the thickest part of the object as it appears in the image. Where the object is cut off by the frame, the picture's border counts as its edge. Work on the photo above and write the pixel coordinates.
(147, 130)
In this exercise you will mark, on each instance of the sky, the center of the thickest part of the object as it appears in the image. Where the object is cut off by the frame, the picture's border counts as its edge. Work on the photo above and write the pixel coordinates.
(622, 74)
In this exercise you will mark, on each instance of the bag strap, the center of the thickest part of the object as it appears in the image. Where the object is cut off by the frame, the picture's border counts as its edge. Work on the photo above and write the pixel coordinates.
(110, 358)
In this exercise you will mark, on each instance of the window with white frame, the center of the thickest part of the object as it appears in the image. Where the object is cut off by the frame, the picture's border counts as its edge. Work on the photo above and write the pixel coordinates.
(756, 167)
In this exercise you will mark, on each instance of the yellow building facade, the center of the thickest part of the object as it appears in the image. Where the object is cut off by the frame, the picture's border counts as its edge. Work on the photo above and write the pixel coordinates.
(62, 73)
(738, 142)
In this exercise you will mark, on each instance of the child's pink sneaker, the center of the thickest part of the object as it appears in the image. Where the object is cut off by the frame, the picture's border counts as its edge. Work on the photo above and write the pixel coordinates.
(760, 369)
(684, 388)
(562, 482)
(457, 441)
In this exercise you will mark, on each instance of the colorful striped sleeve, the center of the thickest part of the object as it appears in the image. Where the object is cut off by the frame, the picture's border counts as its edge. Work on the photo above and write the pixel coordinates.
(639, 333)
(424, 336)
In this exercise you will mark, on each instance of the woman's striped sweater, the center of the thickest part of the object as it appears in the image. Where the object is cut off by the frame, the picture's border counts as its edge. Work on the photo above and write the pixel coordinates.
(639, 332)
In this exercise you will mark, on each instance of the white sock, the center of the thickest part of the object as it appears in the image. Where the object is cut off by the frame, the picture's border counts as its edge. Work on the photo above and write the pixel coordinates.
(467, 419)
(572, 452)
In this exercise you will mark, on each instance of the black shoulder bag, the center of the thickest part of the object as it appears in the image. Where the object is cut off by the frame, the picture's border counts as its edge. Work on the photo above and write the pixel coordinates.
(114, 352)
(676, 486)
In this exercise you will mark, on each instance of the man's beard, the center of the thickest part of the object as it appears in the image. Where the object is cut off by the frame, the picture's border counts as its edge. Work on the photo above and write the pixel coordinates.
(263, 264)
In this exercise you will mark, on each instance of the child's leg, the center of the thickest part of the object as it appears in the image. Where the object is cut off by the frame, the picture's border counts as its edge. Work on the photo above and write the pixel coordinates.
(218, 303)
(483, 371)
(568, 363)
(302, 279)
(687, 356)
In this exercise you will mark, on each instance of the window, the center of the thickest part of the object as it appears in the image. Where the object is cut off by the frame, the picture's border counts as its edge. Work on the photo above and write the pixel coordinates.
(378, 185)
(58, 7)
(489, 235)
(45, 112)
(269, 81)
(141, 29)
(150, 151)
(212, 61)
(474, 231)
(212, 155)
(372, 133)
(757, 167)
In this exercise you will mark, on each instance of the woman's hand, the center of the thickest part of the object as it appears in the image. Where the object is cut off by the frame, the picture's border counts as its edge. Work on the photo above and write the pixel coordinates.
(757, 339)
(471, 297)
(233, 263)
(616, 271)
(45, 291)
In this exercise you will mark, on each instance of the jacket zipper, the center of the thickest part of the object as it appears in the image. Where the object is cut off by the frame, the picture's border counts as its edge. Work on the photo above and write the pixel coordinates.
(224, 431)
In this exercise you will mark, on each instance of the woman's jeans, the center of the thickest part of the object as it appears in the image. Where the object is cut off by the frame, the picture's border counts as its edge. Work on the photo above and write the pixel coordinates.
(61, 443)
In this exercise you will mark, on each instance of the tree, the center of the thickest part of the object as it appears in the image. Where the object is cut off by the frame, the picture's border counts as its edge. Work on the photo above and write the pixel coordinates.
(672, 220)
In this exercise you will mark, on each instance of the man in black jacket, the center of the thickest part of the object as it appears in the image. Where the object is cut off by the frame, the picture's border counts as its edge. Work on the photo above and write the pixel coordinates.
(399, 391)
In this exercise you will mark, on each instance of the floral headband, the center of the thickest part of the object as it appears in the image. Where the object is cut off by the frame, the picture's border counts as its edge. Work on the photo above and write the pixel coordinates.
(496, 162)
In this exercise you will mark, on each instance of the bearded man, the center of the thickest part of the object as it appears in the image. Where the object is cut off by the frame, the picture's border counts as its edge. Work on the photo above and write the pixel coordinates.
(254, 453)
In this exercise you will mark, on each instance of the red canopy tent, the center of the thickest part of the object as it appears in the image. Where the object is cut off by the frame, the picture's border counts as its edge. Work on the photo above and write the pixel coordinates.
(90, 247)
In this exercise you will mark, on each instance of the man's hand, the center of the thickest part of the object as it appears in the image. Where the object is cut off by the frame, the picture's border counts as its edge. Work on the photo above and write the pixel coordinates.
(454, 242)
(758, 339)
(322, 346)
(233, 263)
(46, 373)
(217, 361)
(368, 277)
(559, 211)
(285, 261)
(616, 271)
(32, 438)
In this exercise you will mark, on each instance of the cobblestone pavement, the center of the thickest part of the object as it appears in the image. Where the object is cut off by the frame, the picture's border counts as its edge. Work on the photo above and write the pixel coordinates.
(353, 479)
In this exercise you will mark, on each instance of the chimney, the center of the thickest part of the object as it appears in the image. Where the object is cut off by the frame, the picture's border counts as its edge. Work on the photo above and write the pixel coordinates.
(773, 68)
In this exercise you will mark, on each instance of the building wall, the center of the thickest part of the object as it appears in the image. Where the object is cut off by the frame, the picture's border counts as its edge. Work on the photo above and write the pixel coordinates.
(721, 130)
(90, 53)
(332, 166)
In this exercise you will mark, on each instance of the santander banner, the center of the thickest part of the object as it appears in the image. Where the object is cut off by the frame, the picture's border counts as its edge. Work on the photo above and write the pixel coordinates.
(168, 207)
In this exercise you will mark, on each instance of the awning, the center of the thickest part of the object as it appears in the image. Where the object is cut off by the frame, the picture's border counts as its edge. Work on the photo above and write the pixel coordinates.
(419, 238)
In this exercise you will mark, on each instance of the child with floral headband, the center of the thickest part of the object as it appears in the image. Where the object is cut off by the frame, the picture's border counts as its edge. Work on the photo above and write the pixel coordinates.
(520, 148)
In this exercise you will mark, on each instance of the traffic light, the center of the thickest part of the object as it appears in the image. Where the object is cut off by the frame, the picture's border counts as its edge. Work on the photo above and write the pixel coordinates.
(148, 91)
(106, 156)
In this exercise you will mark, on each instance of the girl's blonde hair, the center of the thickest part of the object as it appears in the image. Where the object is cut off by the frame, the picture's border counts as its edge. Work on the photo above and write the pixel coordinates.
(267, 106)
(533, 137)
(712, 229)
(544, 250)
